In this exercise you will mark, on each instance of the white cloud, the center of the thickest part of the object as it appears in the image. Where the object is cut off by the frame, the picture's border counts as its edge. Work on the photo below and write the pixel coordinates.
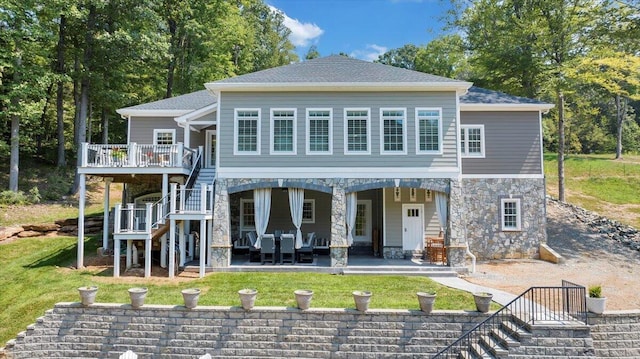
(302, 33)
(370, 53)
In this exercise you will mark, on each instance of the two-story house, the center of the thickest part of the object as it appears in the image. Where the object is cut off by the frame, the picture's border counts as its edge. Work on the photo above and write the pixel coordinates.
(368, 157)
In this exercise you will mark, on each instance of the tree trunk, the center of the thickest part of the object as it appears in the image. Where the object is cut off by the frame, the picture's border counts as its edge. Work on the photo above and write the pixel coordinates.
(561, 146)
(62, 161)
(14, 162)
(84, 91)
(171, 67)
(620, 112)
(105, 126)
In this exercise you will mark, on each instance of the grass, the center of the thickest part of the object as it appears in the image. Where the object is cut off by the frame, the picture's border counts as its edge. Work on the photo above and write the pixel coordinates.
(35, 274)
(599, 183)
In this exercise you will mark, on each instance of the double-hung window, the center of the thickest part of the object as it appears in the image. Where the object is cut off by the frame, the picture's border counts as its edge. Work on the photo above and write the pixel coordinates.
(283, 131)
(164, 137)
(429, 130)
(247, 132)
(510, 210)
(393, 127)
(309, 211)
(357, 129)
(472, 140)
(319, 131)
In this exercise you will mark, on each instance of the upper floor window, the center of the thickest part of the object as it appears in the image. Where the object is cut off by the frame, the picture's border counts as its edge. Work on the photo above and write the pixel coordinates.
(164, 137)
(357, 131)
(510, 209)
(247, 131)
(472, 140)
(319, 131)
(393, 127)
(429, 130)
(283, 131)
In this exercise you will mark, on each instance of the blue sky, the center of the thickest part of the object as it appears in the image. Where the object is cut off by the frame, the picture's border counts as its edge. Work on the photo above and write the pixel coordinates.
(361, 28)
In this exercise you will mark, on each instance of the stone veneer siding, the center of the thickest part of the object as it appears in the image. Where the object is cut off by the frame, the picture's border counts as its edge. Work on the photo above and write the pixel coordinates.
(482, 215)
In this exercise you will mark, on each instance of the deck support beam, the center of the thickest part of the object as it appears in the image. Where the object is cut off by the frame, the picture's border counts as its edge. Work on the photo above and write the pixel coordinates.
(81, 204)
(105, 223)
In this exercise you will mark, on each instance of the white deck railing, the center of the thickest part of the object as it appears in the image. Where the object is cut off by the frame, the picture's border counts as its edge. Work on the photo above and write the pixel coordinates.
(137, 155)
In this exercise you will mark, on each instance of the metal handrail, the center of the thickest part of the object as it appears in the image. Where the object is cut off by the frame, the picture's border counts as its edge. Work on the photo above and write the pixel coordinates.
(535, 305)
(193, 175)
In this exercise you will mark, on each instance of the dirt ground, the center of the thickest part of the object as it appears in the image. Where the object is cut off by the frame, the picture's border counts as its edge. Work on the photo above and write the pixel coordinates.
(590, 259)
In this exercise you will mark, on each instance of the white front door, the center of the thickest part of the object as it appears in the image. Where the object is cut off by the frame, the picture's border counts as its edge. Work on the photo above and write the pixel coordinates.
(412, 227)
(210, 149)
(362, 229)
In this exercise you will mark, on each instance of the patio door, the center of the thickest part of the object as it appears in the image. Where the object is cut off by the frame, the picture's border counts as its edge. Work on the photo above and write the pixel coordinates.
(210, 149)
(362, 229)
(412, 227)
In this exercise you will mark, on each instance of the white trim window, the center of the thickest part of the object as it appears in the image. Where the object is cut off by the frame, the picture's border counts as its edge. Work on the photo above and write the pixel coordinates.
(164, 136)
(247, 215)
(428, 130)
(510, 214)
(309, 211)
(319, 131)
(357, 129)
(472, 141)
(283, 131)
(247, 131)
(393, 129)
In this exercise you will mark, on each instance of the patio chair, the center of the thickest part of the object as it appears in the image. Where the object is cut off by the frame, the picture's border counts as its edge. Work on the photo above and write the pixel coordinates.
(254, 253)
(305, 253)
(436, 250)
(287, 248)
(268, 248)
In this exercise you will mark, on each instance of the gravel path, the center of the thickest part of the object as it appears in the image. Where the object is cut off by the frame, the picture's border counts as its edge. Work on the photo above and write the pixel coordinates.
(591, 258)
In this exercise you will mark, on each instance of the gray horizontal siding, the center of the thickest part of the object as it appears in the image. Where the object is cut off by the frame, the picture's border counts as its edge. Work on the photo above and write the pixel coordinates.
(142, 128)
(512, 143)
(393, 216)
(338, 102)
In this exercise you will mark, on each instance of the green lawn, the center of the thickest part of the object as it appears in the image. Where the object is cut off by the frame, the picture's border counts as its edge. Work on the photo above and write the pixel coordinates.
(34, 275)
(599, 183)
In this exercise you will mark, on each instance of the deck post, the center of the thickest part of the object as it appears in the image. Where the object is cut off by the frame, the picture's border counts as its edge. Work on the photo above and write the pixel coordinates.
(165, 203)
(83, 190)
(203, 247)
(105, 223)
(172, 247)
(147, 242)
(116, 258)
(181, 242)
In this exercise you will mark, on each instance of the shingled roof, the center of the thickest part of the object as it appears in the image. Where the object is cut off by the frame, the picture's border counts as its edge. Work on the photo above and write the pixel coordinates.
(479, 95)
(336, 72)
(179, 104)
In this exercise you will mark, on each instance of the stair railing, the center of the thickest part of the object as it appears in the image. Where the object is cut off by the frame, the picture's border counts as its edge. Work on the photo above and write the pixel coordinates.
(536, 305)
(195, 170)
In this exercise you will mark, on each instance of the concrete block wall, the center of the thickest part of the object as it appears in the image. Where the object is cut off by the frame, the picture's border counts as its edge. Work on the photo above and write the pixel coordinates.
(156, 331)
(616, 334)
(556, 341)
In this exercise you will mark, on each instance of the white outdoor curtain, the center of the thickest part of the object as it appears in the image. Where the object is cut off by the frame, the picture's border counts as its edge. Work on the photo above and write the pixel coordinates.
(262, 207)
(352, 207)
(296, 202)
(441, 208)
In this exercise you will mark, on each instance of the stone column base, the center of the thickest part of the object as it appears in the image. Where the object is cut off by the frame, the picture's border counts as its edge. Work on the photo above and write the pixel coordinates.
(456, 256)
(220, 256)
(339, 256)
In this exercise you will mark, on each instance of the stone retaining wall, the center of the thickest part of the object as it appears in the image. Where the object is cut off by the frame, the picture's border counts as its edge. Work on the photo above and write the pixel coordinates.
(616, 334)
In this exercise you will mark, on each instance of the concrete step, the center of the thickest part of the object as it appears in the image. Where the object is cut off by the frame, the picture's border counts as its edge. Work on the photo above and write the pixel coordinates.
(494, 347)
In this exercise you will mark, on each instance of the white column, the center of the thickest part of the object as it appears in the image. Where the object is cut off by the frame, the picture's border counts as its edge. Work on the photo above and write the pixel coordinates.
(129, 243)
(105, 224)
(147, 242)
(83, 189)
(203, 247)
(181, 242)
(172, 246)
(116, 258)
(165, 204)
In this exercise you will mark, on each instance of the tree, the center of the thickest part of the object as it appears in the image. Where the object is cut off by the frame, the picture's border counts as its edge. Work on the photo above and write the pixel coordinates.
(312, 53)
(443, 56)
(403, 57)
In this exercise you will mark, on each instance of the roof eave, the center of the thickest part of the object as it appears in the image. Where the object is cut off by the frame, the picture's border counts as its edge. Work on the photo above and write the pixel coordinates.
(506, 107)
(126, 112)
(197, 113)
(338, 86)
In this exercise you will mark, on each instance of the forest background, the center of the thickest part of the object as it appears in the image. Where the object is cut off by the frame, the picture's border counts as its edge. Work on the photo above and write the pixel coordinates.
(66, 66)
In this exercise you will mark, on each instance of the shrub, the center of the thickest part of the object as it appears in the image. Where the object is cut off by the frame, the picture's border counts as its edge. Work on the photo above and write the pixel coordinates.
(8, 198)
(595, 291)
